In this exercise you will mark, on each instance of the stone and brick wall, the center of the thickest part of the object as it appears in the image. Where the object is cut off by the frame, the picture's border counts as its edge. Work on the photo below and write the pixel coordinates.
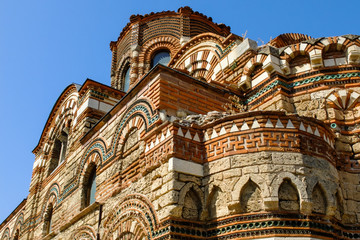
(230, 141)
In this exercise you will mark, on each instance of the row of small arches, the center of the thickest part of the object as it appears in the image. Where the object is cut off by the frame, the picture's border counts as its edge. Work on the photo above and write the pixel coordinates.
(194, 206)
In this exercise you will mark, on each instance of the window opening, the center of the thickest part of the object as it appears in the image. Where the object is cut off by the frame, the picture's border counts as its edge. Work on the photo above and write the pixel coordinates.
(126, 78)
(59, 151)
(162, 57)
(90, 188)
(48, 220)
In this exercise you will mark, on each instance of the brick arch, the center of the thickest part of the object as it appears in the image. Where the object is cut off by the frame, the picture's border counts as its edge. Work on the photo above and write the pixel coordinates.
(164, 42)
(63, 110)
(133, 208)
(65, 114)
(201, 56)
(84, 231)
(63, 119)
(201, 64)
(51, 197)
(253, 63)
(341, 43)
(18, 224)
(200, 41)
(93, 158)
(333, 45)
(141, 108)
(312, 55)
(343, 99)
(6, 234)
(138, 122)
(125, 60)
(132, 228)
(295, 50)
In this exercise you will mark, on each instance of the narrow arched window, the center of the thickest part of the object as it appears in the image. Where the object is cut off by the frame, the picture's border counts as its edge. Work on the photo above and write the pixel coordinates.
(162, 57)
(48, 220)
(58, 154)
(126, 78)
(90, 188)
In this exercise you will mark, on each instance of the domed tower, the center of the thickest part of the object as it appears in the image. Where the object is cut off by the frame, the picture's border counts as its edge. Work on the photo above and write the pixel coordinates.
(155, 38)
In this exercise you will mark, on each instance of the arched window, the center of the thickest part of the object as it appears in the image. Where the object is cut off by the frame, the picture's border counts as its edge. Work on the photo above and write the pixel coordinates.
(126, 78)
(48, 220)
(59, 151)
(90, 188)
(162, 57)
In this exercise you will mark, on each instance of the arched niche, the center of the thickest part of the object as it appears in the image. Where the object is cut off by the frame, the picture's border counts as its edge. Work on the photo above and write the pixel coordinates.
(192, 205)
(250, 198)
(214, 202)
(319, 203)
(339, 203)
(300, 63)
(288, 197)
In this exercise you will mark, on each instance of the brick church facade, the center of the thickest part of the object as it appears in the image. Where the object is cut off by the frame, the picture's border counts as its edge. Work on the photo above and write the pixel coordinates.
(203, 134)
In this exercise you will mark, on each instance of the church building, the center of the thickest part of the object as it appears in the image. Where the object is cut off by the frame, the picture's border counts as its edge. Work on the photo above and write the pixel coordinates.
(202, 134)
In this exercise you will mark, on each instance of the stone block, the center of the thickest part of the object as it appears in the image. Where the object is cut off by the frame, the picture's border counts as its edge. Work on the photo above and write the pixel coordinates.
(287, 158)
(353, 54)
(236, 172)
(270, 168)
(259, 79)
(156, 184)
(187, 167)
(285, 106)
(243, 47)
(340, 61)
(250, 169)
(342, 147)
(188, 178)
(217, 166)
(301, 98)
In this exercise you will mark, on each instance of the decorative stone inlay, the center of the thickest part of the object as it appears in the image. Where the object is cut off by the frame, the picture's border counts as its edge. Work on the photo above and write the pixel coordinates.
(299, 83)
(262, 225)
(141, 107)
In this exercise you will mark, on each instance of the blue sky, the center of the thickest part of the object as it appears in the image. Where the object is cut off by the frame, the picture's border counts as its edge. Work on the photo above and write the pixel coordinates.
(47, 45)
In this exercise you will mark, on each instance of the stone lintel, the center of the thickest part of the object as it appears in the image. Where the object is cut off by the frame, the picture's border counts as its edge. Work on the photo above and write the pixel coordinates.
(187, 167)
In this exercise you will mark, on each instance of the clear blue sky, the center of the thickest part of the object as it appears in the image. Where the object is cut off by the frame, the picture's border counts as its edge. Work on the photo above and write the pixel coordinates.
(47, 45)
